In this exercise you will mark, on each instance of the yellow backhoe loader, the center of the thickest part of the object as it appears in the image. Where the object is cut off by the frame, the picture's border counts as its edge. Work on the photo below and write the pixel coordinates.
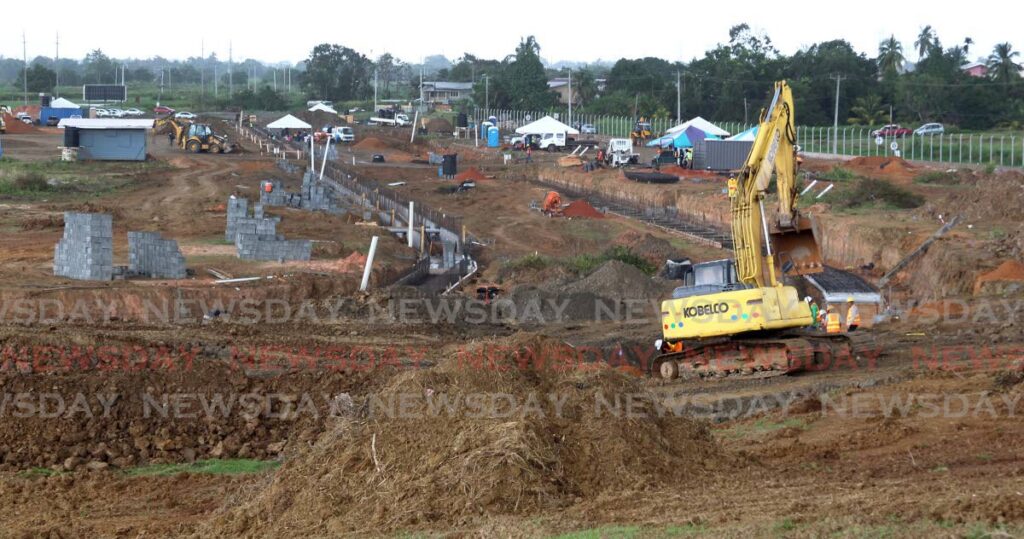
(195, 137)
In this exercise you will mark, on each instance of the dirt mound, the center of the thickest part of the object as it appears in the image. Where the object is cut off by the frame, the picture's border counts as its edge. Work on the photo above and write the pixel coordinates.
(1009, 276)
(439, 125)
(471, 173)
(372, 143)
(17, 127)
(675, 170)
(582, 209)
(479, 437)
(653, 249)
(893, 168)
(349, 264)
(615, 279)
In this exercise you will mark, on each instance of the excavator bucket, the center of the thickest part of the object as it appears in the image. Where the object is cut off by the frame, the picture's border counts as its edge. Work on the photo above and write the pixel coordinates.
(797, 251)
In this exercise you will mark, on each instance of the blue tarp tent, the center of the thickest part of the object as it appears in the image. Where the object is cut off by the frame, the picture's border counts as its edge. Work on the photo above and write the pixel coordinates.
(749, 134)
(683, 139)
(59, 108)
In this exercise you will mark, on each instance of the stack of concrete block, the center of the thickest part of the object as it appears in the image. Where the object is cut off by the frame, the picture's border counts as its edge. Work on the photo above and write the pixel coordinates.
(239, 220)
(151, 255)
(271, 247)
(277, 196)
(288, 166)
(316, 196)
(86, 252)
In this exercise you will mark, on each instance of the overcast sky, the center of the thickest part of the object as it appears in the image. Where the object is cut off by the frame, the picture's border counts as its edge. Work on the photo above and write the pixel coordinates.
(566, 30)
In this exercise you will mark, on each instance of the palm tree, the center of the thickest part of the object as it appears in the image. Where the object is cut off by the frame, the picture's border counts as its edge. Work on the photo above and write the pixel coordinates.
(890, 56)
(925, 41)
(867, 110)
(968, 41)
(1001, 64)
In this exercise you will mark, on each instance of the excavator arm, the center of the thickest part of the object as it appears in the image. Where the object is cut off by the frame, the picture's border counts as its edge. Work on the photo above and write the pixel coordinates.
(787, 237)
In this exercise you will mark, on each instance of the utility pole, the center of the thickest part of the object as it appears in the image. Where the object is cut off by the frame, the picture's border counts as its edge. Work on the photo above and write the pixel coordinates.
(375, 90)
(744, 110)
(24, 59)
(202, 70)
(570, 98)
(275, 79)
(835, 137)
(423, 107)
(679, 97)
(216, 94)
(487, 92)
(56, 66)
(231, 72)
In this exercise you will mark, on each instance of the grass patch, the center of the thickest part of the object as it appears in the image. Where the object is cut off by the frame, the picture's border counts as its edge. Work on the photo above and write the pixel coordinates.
(529, 262)
(583, 264)
(990, 169)
(215, 466)
(837, 174)
(937, 177)
(762, 426)
(784, 525)
(39, 472)
(631, 531)
(869, 192)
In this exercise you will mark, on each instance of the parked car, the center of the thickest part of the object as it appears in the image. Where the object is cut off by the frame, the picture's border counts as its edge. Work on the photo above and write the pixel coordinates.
(160, 109)
(184, 115)
(102, 113)
(133, 112)
(930, 129)
(588, 129)
(892, 130)
(52, 121)
(116, 113)
(24, 117)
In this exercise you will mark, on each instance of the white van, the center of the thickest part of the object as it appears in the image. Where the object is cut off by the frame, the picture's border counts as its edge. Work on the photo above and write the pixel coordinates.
(343, 134)
(551, 141)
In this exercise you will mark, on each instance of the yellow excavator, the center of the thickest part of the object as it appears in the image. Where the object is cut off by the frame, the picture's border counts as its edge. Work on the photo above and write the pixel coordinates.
(195, 137)
(737, 316)
(641, 131)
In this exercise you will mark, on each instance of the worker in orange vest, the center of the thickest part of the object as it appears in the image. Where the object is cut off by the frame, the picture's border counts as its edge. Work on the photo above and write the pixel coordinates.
(832, 324)
(852, 315)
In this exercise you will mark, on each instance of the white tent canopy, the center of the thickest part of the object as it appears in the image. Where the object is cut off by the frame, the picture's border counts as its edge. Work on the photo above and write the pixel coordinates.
(702, 124)
(322, 107)
(546, 125)
(61, 103)
(288, 122)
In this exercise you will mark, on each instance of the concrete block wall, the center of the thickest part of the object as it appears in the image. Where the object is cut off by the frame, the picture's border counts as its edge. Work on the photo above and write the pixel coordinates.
(152, 256)
(271, 247)
(240, 221)
(86, 251)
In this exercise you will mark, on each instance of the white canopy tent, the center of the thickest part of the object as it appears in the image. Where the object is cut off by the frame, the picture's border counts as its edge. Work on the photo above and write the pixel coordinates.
(702, 124)
(323, 108)
(546, 125)
(288, 122)
(61, 103)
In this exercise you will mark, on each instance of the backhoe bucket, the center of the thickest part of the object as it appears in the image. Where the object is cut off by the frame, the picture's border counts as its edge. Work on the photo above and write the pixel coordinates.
(797, 251)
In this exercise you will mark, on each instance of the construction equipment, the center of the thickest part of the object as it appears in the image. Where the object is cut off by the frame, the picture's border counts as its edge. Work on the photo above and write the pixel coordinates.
(195, 137)
(620, 153)
(641, 131)
(737, 316)
(3, 124)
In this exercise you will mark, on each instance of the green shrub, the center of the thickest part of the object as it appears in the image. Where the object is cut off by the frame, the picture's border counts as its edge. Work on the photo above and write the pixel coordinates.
(938, 178)
(990, 169)
(528, 262)
(837, 174)
(869, 192)
(31, 181)
(583, 264)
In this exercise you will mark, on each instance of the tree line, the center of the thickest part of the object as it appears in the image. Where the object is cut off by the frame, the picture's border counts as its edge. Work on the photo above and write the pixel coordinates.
(729, 83)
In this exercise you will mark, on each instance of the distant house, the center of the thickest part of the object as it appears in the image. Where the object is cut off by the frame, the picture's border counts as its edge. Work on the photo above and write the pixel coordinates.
(976, 69)
(445, 93)
(560, 85)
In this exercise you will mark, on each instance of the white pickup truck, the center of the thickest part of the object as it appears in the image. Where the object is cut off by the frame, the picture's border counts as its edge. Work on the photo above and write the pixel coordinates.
(400, 120)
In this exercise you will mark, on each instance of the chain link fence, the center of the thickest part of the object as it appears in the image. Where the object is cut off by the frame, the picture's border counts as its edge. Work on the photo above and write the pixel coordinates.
(1003, 149)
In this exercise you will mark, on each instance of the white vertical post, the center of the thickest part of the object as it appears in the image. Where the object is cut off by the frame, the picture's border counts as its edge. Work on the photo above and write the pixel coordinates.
(369, 265)
(411, 214)
(312, 162)
(323, 165)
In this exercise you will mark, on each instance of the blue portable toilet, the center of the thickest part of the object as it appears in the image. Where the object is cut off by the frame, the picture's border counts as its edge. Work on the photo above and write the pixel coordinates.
(493, 140)
(484, 126)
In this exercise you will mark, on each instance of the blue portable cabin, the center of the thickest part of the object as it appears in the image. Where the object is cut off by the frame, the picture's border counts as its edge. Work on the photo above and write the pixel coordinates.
(107, 139)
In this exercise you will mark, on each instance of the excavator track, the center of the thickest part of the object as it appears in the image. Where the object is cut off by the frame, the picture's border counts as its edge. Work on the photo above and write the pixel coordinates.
(766, 357)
